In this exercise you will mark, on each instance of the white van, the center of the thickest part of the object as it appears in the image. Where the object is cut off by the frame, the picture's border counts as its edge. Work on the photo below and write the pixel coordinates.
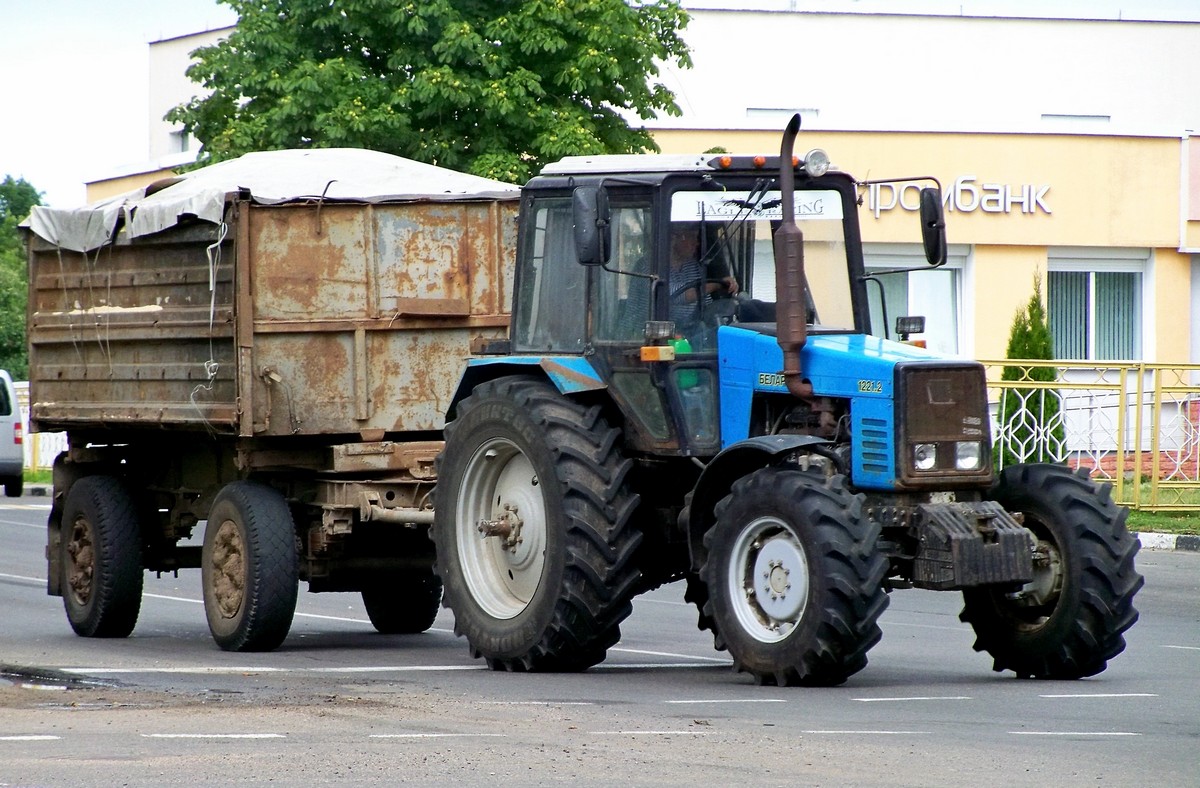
(12, 443)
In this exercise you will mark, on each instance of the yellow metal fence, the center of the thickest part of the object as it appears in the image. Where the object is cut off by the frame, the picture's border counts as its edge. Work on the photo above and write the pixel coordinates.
(1133, 424)
(1136, 425)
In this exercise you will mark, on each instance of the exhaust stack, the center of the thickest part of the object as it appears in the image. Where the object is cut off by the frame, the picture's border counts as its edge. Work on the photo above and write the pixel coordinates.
(791, 305)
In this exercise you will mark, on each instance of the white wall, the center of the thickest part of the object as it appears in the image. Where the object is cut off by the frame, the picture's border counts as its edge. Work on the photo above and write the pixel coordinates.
(169, 86)
(901, 72)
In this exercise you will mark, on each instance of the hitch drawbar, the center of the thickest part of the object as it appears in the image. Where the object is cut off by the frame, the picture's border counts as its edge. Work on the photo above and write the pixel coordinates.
(963, 545)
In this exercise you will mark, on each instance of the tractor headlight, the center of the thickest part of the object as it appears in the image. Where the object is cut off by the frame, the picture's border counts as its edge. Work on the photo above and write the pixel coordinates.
(924, 456)
(968, 455)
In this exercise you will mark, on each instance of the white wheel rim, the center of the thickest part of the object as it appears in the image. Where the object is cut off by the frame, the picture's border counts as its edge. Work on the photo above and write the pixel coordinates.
(767, 580)
(500, 482)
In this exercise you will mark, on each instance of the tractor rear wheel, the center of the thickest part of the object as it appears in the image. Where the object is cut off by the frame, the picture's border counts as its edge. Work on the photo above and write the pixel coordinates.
(1068, 622)
(533, 528)
(794, 579)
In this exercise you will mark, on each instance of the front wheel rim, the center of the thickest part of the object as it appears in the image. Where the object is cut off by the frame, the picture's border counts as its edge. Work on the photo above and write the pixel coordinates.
(501, 490)
(768, 580)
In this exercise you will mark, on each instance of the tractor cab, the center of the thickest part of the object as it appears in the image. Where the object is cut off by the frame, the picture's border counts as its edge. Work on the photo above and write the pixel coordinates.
(675, 251)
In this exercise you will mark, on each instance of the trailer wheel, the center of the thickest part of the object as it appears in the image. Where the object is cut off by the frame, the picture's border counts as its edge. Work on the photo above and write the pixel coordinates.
(533, 528)
(795, 578)
(404, 605)
(14, 486)
(101, 558)
(1068, 622)
(249, 568)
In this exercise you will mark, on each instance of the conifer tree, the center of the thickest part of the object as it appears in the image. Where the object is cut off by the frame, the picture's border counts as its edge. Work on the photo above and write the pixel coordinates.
(1031, 425)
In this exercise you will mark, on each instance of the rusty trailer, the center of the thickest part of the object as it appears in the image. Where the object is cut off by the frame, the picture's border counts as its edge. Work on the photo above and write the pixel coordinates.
(278, 367)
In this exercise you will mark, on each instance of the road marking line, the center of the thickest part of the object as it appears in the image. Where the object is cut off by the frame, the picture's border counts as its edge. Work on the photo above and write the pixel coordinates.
(1185, 648)
(214, 735)
(650, 733)
(1073, 733)
(23, 525)
(871, 733)
(724, 660)
(437, 735)
(537, 703)
(234, 670)
(656, 665)
(901, 700)
(731, 700)
(30, 738)
(662, 602)
(37, 580)
(1105, 695)
(387, 668)
(966, 630)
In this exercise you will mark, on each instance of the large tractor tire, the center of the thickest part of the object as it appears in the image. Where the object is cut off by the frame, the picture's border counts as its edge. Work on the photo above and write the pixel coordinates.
(249, 568)
(1068, 622)
(101, 558)
(533, 528)
(794, 578)
(404, 605)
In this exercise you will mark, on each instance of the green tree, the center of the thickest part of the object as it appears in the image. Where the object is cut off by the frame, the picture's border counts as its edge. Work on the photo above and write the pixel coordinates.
(492, 88)
(17, 198)
(1031, 426)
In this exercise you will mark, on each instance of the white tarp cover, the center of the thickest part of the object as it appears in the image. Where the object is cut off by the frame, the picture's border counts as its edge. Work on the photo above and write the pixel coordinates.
(337, 174)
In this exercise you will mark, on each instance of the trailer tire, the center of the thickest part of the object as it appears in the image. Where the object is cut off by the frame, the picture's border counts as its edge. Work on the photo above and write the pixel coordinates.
(14, 486)
(101, 558)
(795, 578)
(404, 605)
(1068, 622)
(551, 594)
(249, 568)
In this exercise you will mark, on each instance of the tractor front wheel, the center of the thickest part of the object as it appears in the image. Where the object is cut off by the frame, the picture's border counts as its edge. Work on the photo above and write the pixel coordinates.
(794, 579)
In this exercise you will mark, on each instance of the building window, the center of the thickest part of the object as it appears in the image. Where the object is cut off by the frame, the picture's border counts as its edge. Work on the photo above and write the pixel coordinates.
(180, 141)
(932, 293)
(1095, 308)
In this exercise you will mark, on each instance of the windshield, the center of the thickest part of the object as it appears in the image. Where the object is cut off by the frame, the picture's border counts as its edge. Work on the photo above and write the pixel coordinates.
(733, 233)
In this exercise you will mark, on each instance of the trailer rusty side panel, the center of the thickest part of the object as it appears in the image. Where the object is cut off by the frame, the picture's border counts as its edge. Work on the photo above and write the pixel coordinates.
(134, 333)
(364, 315)
(296, 319)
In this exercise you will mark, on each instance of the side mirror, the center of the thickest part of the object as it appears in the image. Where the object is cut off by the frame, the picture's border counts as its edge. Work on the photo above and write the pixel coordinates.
(593, 235)
(933, 226)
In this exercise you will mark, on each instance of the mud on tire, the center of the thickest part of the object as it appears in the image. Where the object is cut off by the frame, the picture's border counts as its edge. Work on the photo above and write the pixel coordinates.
(249, 568)
(101, 558)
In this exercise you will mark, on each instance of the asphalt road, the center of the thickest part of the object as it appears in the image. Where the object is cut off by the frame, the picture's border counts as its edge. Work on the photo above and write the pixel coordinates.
(339, 703)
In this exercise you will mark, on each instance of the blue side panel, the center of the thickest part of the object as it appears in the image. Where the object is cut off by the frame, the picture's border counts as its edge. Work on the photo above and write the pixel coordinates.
(851, 366)
(570, 374)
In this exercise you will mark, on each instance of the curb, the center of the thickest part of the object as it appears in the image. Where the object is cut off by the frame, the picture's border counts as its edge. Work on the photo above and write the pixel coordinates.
(1149, 539)
(1156, 541)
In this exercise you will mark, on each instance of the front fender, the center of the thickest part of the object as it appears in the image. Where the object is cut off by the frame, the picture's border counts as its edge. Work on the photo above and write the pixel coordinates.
(734, 462)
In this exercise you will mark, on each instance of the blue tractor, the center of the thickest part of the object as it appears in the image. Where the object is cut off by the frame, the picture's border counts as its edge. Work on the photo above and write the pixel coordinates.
(692, 390)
